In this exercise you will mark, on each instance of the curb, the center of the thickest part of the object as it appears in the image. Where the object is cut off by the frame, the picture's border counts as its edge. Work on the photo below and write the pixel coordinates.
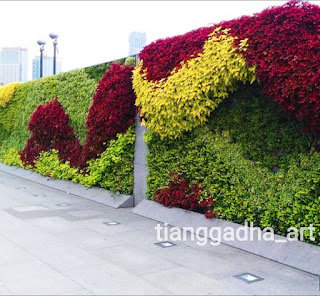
(94, 193)
(295, 254)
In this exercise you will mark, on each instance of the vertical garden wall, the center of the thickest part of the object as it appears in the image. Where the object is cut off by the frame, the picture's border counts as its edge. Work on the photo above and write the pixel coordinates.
(76, 125)
(233, 112)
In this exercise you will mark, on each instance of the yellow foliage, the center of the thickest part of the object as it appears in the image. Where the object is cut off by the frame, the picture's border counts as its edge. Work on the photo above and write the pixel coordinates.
(187, 97)
(6, 93)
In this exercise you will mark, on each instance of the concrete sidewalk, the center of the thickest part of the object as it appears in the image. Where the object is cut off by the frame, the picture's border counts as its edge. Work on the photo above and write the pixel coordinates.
(57, 244)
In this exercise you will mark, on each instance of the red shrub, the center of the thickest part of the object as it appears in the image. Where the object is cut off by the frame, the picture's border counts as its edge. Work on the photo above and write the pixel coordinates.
(162, 56)
(50, 129)
(284, 43)
(179, 194)
(112, 111)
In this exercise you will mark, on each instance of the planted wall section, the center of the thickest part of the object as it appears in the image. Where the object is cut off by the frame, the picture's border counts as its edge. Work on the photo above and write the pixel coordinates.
(234, 111)
(46, 126)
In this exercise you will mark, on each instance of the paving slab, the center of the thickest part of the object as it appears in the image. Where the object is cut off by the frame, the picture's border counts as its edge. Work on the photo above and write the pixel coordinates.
(134, 259)
(35, 278)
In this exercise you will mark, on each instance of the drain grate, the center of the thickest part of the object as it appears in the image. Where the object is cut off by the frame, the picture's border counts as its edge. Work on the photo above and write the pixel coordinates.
(39, 195)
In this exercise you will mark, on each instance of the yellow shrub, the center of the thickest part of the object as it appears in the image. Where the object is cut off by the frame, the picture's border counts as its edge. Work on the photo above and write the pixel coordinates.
(187, 97)
(6, 93)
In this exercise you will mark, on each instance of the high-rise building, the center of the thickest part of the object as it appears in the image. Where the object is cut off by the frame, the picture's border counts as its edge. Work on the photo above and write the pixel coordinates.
(137, 41)
(47, 69)
(13, 64)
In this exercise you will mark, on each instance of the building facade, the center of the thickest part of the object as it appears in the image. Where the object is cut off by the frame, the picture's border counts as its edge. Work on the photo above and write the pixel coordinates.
(47, 67)
(13, 64)
(137, 41)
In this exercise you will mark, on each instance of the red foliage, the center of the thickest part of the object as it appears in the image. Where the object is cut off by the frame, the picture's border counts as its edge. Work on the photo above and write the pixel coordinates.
(284, 43)
(180, 194)
(162, 56)
(50, 129)
(209, 214)
(112, 111)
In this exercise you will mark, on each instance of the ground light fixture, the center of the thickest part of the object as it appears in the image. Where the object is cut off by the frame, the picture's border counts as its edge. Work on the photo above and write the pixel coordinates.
(41, 43)
(54, 37)
(165, 244)
(63, 204)
(248, 277)
(111, 223)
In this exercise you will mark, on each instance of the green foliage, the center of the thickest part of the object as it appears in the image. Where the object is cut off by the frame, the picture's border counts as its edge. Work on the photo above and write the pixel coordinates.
(11, 157)
(49, 165)
(234, 157)
(113, 170)
(130, 61)
(29, 95)
(7, 114)
(75, 91)
(96, 72)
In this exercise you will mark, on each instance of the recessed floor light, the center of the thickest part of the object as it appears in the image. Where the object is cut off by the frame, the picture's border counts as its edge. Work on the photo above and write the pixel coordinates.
(63, 204)
(39, 195)
(111, 223)
(165, 244)
(21, 187)
(249, 277)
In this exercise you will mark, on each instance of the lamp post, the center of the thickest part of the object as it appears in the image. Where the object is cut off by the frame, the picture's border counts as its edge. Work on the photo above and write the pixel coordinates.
(42, 44)
(54, 37)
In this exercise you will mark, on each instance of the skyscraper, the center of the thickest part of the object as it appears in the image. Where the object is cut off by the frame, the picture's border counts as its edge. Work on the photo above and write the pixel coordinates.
(13, 64)
(137, 41)
(47, 67)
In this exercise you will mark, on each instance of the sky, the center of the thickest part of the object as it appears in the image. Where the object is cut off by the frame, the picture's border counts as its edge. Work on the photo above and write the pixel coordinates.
(93, 32)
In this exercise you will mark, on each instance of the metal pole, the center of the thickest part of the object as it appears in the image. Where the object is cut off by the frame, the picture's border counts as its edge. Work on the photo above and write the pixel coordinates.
(41, 60)
(55, 42)
(54, 55)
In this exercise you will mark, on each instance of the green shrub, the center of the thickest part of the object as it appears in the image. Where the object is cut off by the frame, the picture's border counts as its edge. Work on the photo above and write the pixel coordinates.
(75, 91)
(96, 72)
(112, 170)
(11, 157)
(130, 61)
(29, 95)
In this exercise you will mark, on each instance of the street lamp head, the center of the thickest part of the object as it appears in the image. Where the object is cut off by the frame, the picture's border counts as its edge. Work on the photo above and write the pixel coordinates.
(53, 36)
(41, 42)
